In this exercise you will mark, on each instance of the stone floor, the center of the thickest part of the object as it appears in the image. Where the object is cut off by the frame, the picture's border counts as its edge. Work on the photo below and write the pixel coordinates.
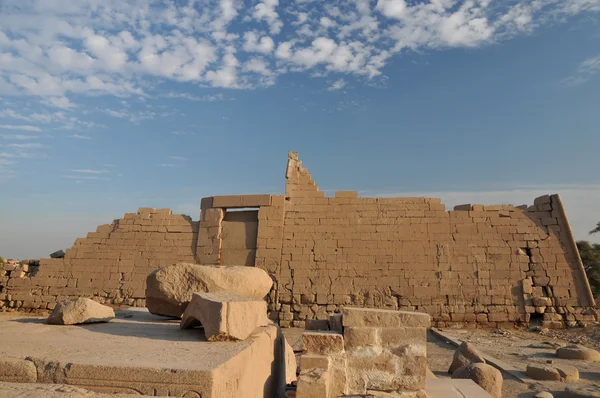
(141, 353)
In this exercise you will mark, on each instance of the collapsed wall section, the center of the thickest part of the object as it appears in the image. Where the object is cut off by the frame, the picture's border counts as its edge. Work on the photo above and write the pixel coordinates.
(110, 264)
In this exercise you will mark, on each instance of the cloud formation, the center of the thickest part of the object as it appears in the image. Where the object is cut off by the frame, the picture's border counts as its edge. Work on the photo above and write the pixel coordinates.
(56, 50)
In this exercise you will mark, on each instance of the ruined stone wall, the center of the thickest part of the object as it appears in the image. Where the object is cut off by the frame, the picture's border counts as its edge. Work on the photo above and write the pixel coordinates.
(110, 264)
(477, 264)
(485, 265)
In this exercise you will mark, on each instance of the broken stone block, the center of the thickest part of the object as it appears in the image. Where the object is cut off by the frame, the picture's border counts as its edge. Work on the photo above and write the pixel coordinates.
(384, 318)
(58, 254)
(313, 383)
(15, 370)
(169, 289)
(542, 372)
(464, 355)
(322, 343)
(542, 302)
(290, 362)
(578, 352)
(225, 316)
(79, 310)
(365, 340)
(486, 376)
(567, 373)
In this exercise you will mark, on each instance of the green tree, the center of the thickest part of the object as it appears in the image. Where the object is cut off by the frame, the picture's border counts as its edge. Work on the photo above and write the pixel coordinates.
(2, 260)
(590, 257)
(597, 229)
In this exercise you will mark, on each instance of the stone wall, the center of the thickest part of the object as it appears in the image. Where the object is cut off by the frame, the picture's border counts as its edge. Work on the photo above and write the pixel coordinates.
(475, 264)
(110, 264)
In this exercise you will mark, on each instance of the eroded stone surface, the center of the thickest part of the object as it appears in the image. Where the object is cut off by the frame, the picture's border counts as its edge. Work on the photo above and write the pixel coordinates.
(542, 372)
(290, 361)
(313, 383)
(169, 289)
(582, 392)
(578, 352)
(486, 376)
(464, 355)
(39, 390)
(80, 310)
(225, 315)
(17, 370)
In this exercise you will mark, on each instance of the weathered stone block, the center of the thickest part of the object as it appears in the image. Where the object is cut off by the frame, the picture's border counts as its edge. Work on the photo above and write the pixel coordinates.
(225, 315)
(322, 343)
(384, 318)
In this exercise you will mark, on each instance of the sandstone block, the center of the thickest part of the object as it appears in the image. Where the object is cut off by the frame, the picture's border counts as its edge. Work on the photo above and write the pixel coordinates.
(322, 343)
(310, 361)
(364, 339)
(225, 316)
(384, 318)
(578, 352)
(313, 383)
(542, 372)
(15, 370)
(79, 310)
(486, 376)
(291, 366)
(464, 355)
(317, 324)
(169, 289)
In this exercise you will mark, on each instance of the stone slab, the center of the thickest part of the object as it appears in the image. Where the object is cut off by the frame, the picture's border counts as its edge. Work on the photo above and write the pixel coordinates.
(455, 388)
(142, 353)
(40, 390)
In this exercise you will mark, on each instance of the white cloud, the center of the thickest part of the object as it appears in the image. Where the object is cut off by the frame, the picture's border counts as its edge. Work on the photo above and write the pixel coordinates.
(80, 137)
(586, 70)
(392, 8)
(21, 128)
(55, 51)
(85, 177)
(254, 43)
(30, 145)
(191, 97)
(265, 10)
(88, 171)
(60, 102)
(178, 158)
(337, 85)
(168, 165)
(19, 137)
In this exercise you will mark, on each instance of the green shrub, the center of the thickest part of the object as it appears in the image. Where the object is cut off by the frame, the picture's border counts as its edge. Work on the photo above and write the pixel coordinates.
(590, 257)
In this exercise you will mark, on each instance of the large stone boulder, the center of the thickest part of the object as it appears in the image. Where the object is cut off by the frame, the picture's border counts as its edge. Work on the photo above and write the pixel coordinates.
(486, 376)
(79, 310)
(540, 371)
(169, 289)
(225, 316)
(578, 352)
(464, 355)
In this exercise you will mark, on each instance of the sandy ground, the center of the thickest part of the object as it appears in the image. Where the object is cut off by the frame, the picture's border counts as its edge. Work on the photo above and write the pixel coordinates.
(518, 348)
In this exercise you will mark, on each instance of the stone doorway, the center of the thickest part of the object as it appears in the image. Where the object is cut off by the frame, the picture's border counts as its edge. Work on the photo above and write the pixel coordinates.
(239, 231)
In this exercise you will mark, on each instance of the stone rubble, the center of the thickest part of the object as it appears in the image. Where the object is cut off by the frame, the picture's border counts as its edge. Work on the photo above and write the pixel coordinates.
(464, 355)
(78, 311)
(486, 376)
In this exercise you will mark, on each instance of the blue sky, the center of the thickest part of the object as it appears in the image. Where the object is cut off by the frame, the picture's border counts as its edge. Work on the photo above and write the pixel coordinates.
(107, 106)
